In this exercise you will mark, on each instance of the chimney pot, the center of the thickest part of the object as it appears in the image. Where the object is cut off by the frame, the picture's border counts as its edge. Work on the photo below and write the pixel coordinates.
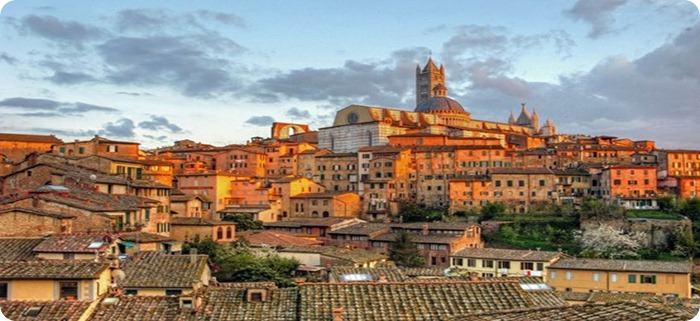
(337, 314)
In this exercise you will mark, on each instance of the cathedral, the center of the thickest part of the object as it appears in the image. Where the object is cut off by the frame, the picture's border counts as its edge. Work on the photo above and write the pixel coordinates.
(435, 113)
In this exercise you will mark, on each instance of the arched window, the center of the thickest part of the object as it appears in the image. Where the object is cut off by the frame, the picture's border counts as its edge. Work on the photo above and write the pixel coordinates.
(369, 138)
(326, 214)
(314, 214)
(219, 233)
(229, 233)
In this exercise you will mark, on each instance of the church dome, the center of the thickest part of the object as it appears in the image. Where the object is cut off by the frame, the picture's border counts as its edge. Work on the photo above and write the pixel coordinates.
(440, 104)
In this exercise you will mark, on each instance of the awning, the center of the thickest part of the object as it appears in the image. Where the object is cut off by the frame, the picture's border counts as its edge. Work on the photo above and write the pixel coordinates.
(128, 244)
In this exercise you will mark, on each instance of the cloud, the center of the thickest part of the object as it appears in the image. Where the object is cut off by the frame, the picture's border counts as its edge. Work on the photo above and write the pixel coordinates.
(298, 113)
(68, 78)
(384, 83)
(142, 19)
(160, 123)
(52, 108)
(123, 127)
(179, 62)
(156, 138)
(133, 93)
(225, 18)
(597, 13)
(260, 120)
(51, 28)
(7, 58)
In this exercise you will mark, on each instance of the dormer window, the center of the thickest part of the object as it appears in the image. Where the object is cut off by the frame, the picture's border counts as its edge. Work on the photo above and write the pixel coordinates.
(186, 302)
(256, 295)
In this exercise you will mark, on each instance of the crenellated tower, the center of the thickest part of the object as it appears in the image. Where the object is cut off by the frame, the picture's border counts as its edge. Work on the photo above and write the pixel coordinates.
(427, 78)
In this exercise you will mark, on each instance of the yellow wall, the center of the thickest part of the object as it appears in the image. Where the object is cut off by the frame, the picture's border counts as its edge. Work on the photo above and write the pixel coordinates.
(32, 290)
(583, 281)
(514, 270)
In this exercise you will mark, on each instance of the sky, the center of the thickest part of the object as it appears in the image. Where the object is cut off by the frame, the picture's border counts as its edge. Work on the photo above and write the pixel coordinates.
(220, 72)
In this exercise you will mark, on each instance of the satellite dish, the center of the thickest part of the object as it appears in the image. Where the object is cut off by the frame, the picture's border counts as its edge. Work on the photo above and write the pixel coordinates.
(93, 177)
(118, 275)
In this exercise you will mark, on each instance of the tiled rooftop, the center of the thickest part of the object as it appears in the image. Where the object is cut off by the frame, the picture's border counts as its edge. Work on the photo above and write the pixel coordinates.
(362, 229)
(47, 310)
(230, 304)
(74, 243)
(507, 254)
(37, 211)
(350, 255)
(10, 137)
(624, 311)
(141, 308)
(409, 301)
(270, 238)
(15, 249)
(51, 269)
(144, 237)
(198, 221)
(623, 265)
(158, 270)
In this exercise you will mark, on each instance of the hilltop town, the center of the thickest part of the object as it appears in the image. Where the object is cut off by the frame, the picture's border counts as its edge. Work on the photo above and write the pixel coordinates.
(387, 214)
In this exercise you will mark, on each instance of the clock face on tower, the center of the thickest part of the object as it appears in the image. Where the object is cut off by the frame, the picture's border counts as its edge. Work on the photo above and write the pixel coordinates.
(352, 118)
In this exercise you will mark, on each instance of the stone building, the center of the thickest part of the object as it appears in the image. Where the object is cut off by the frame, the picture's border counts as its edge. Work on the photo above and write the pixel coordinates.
(15, 147)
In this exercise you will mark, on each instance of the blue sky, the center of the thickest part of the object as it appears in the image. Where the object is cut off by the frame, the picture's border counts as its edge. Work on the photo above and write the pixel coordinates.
(221, 71)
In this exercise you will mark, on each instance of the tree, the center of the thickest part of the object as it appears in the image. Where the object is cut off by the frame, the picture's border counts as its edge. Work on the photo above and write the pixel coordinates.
(419, 212)
(490, 209)
(691, 208)
(405, 253)
(597, 210)
(244, 222)
(681, 243)
(609, 242)
(666, 203)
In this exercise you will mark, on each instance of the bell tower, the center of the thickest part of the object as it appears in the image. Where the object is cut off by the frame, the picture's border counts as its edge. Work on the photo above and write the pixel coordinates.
(427, 78)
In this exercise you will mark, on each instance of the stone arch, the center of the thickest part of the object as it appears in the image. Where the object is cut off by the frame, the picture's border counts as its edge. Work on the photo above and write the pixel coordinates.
(285, 130)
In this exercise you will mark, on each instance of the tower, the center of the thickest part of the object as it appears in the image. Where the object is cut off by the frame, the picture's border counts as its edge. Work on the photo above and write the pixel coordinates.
(427, 78)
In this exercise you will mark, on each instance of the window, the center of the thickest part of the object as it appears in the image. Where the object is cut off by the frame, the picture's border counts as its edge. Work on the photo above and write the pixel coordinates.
(68, 290)
(81, 150)
(487, 263)
(552, 275)
(112, 148)
(4, 293)
(458, 262)
(596, 277)
(219, 233)
(568, 275)
(471, 262)
(521, 183)
(173, 292)
(504, 264)
(613, 278)
(632, 278)
(540, 267)
(69, 256)
(647, 279)
(527, 266)
(32, 311)
(229, 233)
(541, 182)
(509, 183)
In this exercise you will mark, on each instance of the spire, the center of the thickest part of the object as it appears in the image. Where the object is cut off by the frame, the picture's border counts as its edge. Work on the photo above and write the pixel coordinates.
(535, 120)
(511, 119)
(430, 65)
(524, 118)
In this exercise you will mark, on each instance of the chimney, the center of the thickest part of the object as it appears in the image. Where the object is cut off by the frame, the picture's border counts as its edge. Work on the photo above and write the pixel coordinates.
(337, 314)
(382, 279)
(193, 256)
(426, 230)
(473, 276)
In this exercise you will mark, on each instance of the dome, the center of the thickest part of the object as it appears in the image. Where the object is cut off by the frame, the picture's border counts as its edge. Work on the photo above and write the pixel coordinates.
(440, 104)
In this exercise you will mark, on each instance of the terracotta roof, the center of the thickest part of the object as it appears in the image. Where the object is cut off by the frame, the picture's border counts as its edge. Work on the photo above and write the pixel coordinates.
(350, 255)
(269, 238)
(391, 274)
(334, 155)
(382, 149)
(37, 211)
(436, 301)
(158, 270)
(432, 226)
(198, 221)
(50, 139)
(417, 238)
(15, 249)
(320, 195)
(299, 222)
(362, 229)
(507, 254)
(623, 265)
(230, 304)
(144, 237)
(529, 170)
(47, 310)
(609, 312)
(75, 243)
(142, 308)
(52, 269)
(87, 200)
(244, 209)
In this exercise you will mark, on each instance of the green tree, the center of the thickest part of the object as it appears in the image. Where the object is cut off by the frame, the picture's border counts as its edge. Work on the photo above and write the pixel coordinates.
(691, 208)
(419, 212)
(405, 253)
(666, 203)
(597, 210)
(244, 221)
(491, 209)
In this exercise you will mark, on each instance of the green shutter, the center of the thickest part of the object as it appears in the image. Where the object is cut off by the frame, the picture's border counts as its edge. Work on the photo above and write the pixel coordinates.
(632, 278)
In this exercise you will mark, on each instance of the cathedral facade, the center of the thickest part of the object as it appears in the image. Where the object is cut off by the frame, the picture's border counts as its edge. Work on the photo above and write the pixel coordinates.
(435, 113)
